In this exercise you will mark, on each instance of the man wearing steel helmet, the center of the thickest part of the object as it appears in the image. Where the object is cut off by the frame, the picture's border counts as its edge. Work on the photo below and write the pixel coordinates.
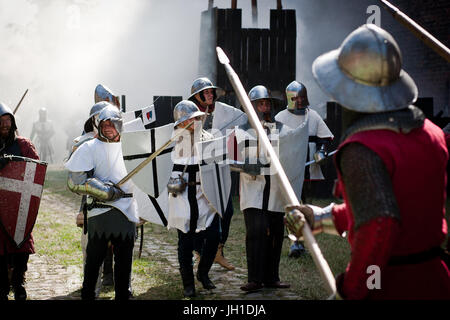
(17, 258)
(391, 170)
(94, 169)
(102, 97)
(189, 210)
(297, 112)
(261, 198)
(219, 118)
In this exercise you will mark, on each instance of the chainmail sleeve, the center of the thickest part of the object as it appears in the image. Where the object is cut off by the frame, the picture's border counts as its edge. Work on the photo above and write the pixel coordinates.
(376, 216)
(367, 184)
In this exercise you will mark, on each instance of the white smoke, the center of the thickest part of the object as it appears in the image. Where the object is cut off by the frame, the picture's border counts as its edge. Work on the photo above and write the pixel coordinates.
(61, 49)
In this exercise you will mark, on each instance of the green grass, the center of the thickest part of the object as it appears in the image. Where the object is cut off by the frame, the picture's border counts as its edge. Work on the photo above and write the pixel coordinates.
(60, 240)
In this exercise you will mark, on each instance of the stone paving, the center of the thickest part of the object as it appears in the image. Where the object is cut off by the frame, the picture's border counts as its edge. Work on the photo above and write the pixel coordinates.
(49, 281)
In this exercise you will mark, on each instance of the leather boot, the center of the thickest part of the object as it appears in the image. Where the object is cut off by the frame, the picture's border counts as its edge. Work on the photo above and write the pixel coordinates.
(202, 275)
(18, 281)
(220, 259)
(187, 276)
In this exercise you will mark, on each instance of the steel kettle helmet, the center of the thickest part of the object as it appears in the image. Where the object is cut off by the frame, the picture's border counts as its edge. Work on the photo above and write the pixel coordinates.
(185, 110)
(365, 73)
(204, 83)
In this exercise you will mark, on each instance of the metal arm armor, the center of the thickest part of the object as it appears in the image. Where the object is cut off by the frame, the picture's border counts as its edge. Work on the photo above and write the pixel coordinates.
(79, 183)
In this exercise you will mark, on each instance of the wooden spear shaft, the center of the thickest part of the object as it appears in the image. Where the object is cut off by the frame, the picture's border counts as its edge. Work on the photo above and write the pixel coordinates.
(418, 31)
(310, 241)
(18, 105)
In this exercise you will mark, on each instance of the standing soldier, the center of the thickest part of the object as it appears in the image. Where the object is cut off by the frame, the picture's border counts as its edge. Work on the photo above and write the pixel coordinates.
(94, 169)
(219, 118)
(102, 97)
(189, 210)
(261, 199)
(43, 130)
(12, 144)
(391, 169)
(319, 139)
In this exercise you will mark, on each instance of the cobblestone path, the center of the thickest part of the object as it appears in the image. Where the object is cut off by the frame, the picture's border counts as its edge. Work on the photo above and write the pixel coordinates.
(46, 280)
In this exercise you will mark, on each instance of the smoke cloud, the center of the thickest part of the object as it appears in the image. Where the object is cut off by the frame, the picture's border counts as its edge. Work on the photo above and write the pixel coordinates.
(60, 50)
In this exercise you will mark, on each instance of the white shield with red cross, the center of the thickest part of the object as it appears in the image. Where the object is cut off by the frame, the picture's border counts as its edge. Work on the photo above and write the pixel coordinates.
(21, 184)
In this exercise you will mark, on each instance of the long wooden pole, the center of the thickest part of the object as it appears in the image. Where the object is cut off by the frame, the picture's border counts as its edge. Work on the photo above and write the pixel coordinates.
(18, 105)
(310, 241)
(418, 31)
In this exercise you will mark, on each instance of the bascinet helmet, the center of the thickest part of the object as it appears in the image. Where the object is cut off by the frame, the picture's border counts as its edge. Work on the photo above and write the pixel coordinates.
(293, 90)
(365, 73)
(109, 112)
(4, 109)
(185, 110)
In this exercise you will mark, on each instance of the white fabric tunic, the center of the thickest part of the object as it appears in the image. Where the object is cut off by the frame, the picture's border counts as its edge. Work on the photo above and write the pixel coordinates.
(179, 206)
(264, 191)
(316, 128)
(107, 162)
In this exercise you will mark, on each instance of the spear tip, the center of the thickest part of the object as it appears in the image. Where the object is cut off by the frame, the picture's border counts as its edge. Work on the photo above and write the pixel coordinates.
(223, 59)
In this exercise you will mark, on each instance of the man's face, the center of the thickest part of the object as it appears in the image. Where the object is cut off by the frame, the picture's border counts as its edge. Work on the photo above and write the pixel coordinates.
(209, 97)
(185, 123)
(298, 102)
(5, 125)
(109, 131)
(263, 105)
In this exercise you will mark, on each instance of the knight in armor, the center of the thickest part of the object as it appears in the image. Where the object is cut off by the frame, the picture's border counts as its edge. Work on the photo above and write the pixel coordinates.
(319, 140)
(95, 168)
(189, 210)
(391, 170)
(262, 203)
(219, 117)
(103, 96)
(43, 131)
(10, 255)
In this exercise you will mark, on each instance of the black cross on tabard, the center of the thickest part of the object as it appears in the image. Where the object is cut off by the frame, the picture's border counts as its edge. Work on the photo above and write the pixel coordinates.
(154, 171)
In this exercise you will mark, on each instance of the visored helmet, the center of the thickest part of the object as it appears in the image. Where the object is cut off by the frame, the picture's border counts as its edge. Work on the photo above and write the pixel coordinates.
(293, 90)
(109, 112)
(365, 73)
(185, 110)
(91, 124)
(4, 109)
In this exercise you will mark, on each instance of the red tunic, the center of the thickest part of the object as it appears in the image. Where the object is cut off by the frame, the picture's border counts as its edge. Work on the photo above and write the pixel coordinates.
(7, 246)
(416, 163)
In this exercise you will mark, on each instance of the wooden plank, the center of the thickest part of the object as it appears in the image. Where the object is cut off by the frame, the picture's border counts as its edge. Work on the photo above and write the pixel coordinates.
(265, 63)
(253, 58)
